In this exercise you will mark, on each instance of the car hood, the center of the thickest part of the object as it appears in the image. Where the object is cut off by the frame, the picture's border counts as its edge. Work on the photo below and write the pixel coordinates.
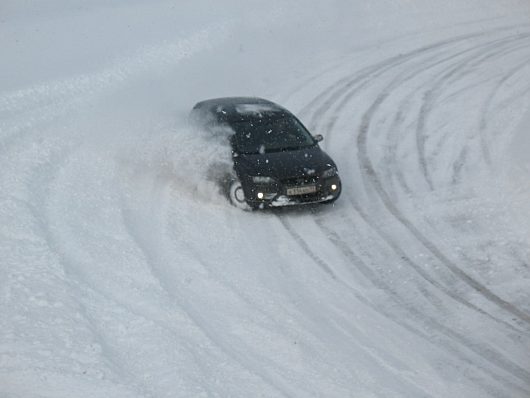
(287, 164)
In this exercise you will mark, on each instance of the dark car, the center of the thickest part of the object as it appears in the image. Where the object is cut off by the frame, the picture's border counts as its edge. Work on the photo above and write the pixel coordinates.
(276, 161)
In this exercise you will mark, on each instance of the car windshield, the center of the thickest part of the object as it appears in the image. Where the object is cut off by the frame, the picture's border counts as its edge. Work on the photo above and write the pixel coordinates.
(271, 133)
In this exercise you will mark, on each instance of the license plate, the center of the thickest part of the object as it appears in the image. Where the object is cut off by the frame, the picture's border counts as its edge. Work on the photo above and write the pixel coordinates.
(303, 190)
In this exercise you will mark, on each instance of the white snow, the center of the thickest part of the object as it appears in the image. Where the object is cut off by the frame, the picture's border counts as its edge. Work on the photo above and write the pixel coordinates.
(254, 108)
(124, 272)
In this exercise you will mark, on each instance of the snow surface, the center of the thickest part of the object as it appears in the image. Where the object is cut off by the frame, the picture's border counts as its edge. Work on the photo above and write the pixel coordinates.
(125, 273)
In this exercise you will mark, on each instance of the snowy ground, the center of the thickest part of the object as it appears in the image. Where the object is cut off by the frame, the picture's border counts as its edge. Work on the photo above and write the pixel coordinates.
(124, 272)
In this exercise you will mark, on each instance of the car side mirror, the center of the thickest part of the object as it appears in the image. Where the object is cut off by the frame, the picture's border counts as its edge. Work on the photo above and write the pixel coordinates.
(318, 137)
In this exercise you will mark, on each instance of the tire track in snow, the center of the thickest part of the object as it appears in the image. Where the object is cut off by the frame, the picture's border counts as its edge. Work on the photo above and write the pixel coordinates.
(437, 61)
(363, 79)
(485, 112)
(491, 355)
(381, 68)
(453, 342)
(147, 60)
(171, 324)
(370, 175)
(449, 77)
(22, 111)
(45, 176)
(388, 314)
(350, 85)
(151, 245)
(461, 68)
(76, 268)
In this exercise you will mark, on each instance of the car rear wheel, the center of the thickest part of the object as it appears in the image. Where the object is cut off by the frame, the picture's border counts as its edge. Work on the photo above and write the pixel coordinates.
(237, 195)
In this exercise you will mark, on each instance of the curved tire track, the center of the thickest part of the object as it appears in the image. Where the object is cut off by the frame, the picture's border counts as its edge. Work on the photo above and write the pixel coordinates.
(332, 102)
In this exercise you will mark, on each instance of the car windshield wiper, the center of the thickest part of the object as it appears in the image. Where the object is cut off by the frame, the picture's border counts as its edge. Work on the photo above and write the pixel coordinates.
(248, 152)
(267, 150)
(278, 149)
(293, 148)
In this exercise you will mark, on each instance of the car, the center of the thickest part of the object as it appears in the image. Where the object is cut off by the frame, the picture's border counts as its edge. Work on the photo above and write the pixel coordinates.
(276, 161)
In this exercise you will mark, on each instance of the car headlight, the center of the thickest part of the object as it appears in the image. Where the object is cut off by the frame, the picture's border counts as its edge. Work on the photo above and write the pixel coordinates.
(329, 172)
(262, 180)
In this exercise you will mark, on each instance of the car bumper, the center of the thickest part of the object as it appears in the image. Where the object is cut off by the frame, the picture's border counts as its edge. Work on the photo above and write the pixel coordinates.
(283, 200)
(276, 196)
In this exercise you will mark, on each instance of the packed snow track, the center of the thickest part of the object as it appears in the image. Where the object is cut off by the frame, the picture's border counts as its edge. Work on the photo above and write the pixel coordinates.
(125, 272)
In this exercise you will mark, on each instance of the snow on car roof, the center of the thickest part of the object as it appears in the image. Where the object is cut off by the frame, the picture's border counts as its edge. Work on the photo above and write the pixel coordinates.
(238, 105)
(255, 108)
(233, 109)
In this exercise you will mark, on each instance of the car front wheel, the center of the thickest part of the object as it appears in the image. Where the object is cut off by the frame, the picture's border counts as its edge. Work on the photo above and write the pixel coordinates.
(237, 195)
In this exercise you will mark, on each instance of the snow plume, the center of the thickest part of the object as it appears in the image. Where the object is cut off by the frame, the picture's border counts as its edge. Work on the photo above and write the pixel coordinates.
(143, 137)
(187, 158)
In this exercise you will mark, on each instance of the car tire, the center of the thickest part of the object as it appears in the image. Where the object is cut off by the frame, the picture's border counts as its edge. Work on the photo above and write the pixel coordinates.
(237, 195)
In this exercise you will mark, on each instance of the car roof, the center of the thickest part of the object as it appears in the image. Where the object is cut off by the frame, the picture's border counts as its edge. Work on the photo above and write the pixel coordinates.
(238, 107)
